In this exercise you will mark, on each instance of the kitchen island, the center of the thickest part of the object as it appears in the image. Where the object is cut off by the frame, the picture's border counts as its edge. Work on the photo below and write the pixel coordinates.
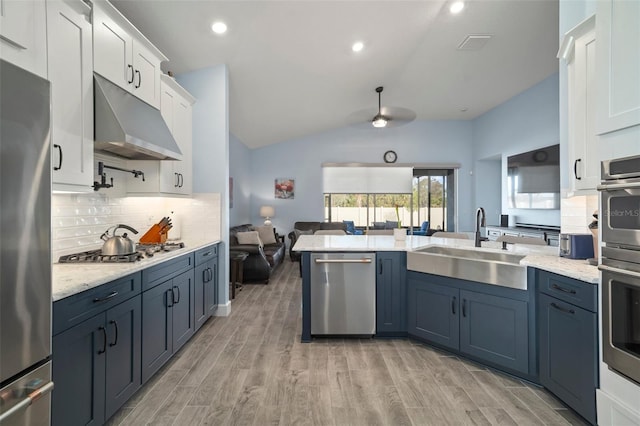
(532, 326)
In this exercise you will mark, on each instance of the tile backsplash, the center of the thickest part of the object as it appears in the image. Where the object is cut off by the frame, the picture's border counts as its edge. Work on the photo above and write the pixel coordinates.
(576, 213)
(78, 220)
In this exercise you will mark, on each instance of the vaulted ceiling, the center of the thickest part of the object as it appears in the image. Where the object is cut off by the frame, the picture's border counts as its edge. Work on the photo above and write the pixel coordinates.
(292, 71)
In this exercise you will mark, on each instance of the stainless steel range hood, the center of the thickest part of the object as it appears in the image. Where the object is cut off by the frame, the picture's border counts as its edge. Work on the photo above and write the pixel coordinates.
(128, 127)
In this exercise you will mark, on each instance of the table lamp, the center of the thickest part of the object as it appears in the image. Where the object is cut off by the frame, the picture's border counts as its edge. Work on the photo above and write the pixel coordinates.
(267, 212)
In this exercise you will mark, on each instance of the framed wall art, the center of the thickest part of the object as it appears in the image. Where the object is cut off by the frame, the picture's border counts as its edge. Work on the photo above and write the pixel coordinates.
(285, 188)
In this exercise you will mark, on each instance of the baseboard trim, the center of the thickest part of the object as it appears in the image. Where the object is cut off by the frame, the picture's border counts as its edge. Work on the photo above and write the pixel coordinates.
(223, 310)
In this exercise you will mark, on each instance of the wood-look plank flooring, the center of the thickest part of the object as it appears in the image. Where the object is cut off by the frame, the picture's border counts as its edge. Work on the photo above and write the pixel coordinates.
(250, 369)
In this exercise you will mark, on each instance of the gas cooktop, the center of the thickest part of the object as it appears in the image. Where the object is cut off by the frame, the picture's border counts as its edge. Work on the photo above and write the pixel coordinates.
(142, 251)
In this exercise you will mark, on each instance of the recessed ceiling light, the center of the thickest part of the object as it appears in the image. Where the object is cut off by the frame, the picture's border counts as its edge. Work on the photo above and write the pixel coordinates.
(357, 46)
(219, 27)
(456, 7)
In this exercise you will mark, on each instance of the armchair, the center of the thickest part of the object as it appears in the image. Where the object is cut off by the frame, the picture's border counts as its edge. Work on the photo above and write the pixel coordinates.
(424, 228)
(351, 228)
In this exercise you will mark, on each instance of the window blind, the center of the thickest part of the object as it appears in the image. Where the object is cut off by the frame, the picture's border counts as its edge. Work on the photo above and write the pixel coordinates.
(367, 179)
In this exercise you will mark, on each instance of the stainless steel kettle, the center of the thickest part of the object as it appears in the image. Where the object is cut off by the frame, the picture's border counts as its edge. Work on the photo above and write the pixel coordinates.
(118, 245)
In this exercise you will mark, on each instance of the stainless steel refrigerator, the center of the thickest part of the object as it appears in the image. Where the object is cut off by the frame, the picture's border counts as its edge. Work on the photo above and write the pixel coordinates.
(25, 248)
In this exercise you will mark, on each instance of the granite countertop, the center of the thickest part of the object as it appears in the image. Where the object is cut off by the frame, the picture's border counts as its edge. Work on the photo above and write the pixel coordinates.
(541, 257)
(71, 278)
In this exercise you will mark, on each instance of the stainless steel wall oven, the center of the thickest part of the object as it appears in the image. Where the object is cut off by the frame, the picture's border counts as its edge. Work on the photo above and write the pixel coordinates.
(620, 225)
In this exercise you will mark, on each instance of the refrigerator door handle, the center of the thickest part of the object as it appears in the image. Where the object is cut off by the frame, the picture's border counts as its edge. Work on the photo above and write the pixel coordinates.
(26, 402)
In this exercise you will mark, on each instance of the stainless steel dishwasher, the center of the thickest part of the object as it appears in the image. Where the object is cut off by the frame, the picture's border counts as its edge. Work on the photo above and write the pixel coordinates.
(343, 294)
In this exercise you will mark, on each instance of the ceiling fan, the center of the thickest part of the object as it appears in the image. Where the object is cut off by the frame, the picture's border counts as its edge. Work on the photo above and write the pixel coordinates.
(384, 117)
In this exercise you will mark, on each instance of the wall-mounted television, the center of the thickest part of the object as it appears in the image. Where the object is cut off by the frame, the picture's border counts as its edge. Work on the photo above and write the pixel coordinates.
(533, 179)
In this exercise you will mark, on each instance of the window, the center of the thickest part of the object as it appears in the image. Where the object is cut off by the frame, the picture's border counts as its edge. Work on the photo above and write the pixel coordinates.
(431, 200)
(433, 195)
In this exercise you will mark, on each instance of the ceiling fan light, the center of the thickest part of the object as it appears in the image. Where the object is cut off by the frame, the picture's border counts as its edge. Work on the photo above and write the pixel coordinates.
(379, 121)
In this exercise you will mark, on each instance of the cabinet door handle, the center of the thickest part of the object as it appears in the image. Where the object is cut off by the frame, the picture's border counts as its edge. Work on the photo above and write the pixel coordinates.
(207, 254)
(178, 299)
(115, 340)
(131, 68)
(104, 340)
(564, 290)
(181, 180)
(561, 309)
(453, 305)
(169, 298)
(575, 168)
(105, 298)
(59, 148)
(464, 308)
(177, 180)
(380, 266)
(210, 274)
(139, 79)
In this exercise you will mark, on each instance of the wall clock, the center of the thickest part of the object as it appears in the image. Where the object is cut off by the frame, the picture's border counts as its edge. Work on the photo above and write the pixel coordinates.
(390, 157)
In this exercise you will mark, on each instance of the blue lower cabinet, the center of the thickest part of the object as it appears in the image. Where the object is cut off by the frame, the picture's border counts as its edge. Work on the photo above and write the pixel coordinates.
(495, 329)
(167, 321)
(490, 325)
(569, 353)
(96, 366)
(391, 294)
(78, 363)
(433, 313)
(206, 288)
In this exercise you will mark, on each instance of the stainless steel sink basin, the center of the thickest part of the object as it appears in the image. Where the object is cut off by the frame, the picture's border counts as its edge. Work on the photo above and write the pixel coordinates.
(487, 267)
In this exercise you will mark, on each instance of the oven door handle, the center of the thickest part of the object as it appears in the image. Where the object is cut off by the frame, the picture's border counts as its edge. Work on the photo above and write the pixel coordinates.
(619, 271)
(618, 186)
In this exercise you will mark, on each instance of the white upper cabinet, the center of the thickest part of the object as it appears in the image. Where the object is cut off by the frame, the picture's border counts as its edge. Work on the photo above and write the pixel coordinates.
(579, 50)
(23, 36)
(70, 71)
(618, 64)
(169, 177)
(124, 56)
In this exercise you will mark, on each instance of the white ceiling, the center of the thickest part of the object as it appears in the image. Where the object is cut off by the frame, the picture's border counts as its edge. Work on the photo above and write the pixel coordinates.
(292, 72)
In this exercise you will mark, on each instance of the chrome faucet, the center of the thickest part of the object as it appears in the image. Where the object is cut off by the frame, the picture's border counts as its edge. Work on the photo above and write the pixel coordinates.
(480, 221)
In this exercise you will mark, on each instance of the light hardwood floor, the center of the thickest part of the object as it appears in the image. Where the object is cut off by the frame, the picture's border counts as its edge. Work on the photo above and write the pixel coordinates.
(251, 369)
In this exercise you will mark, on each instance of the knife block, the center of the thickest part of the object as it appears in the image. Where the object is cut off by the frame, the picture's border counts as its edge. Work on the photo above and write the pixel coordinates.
(154, 236)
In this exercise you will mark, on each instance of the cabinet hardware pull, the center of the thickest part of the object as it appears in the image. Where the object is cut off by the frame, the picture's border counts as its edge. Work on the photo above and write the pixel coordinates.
(115, 341)
(131, 68)
(177, 288)
(105, 298)
(561, 309)
(380, 266)
(575, 168)
(363, 260)
(464, 308)
(177, 180)
(104, 340)
(564, 290)
(206, 254)
(139, 79)
(181, 177)
(210, 274)
(169, 298)
(453, 305)
(59, 148)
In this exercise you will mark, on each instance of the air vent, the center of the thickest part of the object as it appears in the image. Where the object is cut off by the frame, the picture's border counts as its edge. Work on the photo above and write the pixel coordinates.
(474, 42)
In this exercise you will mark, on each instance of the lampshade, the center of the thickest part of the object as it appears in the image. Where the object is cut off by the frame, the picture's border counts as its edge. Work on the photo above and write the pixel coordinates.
(267, 211)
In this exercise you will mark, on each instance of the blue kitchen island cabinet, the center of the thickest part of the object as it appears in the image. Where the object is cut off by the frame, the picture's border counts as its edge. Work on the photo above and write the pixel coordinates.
(206, 284)
(391, 294)
(433, 311)
(489, 323)
(568, 331)
(96, 360)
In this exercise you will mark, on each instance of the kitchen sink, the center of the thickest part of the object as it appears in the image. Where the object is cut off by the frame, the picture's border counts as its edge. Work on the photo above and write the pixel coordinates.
(487, 267)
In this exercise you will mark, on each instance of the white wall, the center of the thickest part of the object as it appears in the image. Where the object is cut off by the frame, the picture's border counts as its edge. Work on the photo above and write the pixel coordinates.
(240, 171)
(301, 159)
(210, 87)
(525, 122)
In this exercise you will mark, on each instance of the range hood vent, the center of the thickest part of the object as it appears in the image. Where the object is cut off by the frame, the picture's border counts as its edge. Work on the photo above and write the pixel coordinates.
(128, 127)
